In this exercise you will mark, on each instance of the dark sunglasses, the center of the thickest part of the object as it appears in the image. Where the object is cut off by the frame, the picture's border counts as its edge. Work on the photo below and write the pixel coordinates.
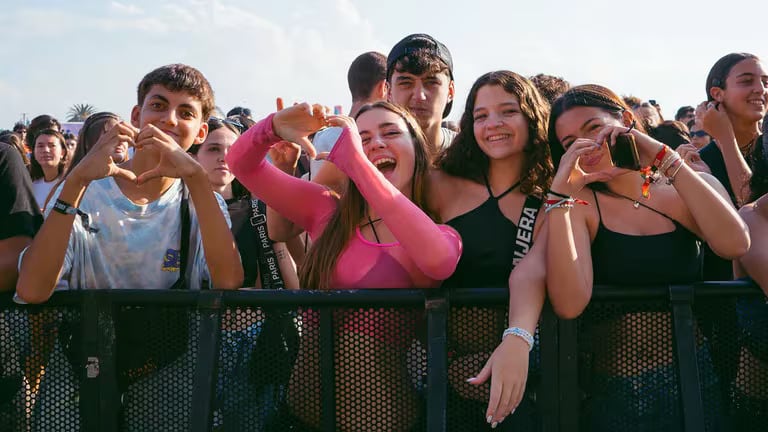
(699, 133)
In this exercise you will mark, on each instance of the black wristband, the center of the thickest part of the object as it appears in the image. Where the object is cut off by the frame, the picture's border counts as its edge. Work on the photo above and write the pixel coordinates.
(64, 207)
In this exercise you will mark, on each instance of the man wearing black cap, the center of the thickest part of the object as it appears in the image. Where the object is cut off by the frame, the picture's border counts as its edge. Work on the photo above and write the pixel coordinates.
(420, 78)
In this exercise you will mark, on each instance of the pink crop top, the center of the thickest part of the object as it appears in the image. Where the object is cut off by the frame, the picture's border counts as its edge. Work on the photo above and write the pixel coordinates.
(425, 254)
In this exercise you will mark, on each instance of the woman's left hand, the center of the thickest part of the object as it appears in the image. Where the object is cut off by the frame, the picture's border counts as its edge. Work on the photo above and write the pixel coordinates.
(508, 370)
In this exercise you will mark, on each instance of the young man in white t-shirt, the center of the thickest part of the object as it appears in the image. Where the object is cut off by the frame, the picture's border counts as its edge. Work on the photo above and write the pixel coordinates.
(113, 226)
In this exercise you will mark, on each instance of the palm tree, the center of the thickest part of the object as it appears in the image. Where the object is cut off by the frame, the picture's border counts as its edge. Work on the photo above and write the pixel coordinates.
(80, 112)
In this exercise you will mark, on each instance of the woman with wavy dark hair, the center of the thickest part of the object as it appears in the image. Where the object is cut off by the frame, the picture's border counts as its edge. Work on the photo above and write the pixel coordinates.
(632, 232)
(489, 187)
(378, 235)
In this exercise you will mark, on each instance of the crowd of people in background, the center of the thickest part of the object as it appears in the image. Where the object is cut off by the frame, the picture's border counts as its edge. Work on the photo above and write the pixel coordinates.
(537, 175)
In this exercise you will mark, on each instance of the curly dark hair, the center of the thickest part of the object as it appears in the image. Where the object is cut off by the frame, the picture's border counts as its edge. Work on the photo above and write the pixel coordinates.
(464, 158)
(550, 87)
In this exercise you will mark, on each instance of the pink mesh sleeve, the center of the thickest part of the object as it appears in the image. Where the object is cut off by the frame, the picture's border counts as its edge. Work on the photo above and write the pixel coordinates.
(307, 204)
(434, 248)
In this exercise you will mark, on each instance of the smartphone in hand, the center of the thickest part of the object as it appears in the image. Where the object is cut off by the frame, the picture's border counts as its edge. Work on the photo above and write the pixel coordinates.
(624, 152)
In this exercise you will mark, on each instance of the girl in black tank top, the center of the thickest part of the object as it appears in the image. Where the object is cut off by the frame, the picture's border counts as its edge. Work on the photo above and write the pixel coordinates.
(488, 252)
(629, 376)
(501, 146)
(675, 255)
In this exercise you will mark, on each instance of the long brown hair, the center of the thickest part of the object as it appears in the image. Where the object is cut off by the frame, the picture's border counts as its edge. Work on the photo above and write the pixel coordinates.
(465, 159)
(320, 263)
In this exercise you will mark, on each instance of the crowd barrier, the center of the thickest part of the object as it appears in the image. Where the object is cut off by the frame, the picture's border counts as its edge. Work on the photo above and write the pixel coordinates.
(683, 357)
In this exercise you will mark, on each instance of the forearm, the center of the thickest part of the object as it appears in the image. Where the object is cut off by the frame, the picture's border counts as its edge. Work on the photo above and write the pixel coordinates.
(280, 229)
(570, 286)
(40, 269)
(737, 168)
(717, 220)
(433, 251)
(221, 252)
(287, 266)
(527, 289)
(755, 262)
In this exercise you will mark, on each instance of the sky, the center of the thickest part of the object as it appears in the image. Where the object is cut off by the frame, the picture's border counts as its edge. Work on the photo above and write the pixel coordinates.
(57, 53)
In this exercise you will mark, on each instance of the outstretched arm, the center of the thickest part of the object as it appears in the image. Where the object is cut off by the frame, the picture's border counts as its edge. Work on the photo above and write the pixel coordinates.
(302, 202)
(508, 365)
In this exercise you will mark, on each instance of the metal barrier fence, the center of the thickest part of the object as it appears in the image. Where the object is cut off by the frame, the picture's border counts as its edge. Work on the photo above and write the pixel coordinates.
(687, 358)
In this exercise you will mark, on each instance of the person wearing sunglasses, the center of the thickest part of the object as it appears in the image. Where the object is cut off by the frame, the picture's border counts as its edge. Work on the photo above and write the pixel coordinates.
(699, 137)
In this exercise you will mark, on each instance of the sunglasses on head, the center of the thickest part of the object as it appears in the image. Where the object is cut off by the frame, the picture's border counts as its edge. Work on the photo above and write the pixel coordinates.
(699, 133)
(230, 122)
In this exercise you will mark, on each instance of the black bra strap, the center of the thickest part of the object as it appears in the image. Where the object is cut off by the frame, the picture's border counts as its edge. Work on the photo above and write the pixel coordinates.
(597, 204)
(500, 196)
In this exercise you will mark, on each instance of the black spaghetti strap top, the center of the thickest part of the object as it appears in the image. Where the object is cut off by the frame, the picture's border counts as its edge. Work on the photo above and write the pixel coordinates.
(623, 259)
(488, 245)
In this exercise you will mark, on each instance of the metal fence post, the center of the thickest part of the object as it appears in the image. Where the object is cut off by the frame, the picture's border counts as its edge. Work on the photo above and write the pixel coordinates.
(436, 308)
(327, 371)
(681, 297)
(568, 374)
(548, 399)
(88, 377)
(206, 368)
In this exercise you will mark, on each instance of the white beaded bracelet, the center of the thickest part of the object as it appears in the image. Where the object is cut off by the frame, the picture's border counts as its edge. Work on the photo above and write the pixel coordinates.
(521, 333)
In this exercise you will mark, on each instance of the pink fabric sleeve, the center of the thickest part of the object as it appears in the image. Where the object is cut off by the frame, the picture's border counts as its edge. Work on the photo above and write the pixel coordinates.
(435, 249)
(307, 204)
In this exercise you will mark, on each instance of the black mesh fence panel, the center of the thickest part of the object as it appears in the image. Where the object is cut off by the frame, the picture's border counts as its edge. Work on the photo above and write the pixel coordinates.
(738, 328)
(473, 334)
(38, 388)
(628, 372)
(258, 350)
(278, 369)
(155, 355)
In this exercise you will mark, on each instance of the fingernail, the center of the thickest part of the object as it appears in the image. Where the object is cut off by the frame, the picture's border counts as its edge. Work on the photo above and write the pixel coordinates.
(471, 379)
(493, 426)
(489, 419)
(513, 411)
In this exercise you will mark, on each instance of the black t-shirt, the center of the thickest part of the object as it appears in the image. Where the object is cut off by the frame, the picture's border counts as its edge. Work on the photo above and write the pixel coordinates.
(246, 238)
(19, 213)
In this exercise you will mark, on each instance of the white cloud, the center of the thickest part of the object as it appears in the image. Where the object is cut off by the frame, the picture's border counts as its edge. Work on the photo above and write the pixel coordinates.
(126, 9)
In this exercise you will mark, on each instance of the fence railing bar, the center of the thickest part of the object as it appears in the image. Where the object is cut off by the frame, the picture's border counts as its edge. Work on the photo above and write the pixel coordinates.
(206, 367)
(684, 338)
(327, 371)
(436, 307)
(547, 396)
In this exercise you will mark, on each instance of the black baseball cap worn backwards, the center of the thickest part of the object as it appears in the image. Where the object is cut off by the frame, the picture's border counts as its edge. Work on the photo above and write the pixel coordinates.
(421, 42)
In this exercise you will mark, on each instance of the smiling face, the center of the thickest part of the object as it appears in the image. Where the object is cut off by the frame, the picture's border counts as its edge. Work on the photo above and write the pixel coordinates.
(178, 114)
(586, 122)
(500, 128)
(48, 151)
(746, 90)
(388, 144)
(211, 156)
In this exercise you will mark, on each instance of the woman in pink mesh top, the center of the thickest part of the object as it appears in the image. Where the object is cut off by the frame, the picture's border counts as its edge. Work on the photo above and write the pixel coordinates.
(378, 235)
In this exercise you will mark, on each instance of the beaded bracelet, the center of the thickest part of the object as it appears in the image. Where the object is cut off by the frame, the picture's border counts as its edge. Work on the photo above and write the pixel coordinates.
(521, 333)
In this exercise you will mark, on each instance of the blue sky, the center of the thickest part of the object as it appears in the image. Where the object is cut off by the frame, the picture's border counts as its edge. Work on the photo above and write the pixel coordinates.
(60, 53)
